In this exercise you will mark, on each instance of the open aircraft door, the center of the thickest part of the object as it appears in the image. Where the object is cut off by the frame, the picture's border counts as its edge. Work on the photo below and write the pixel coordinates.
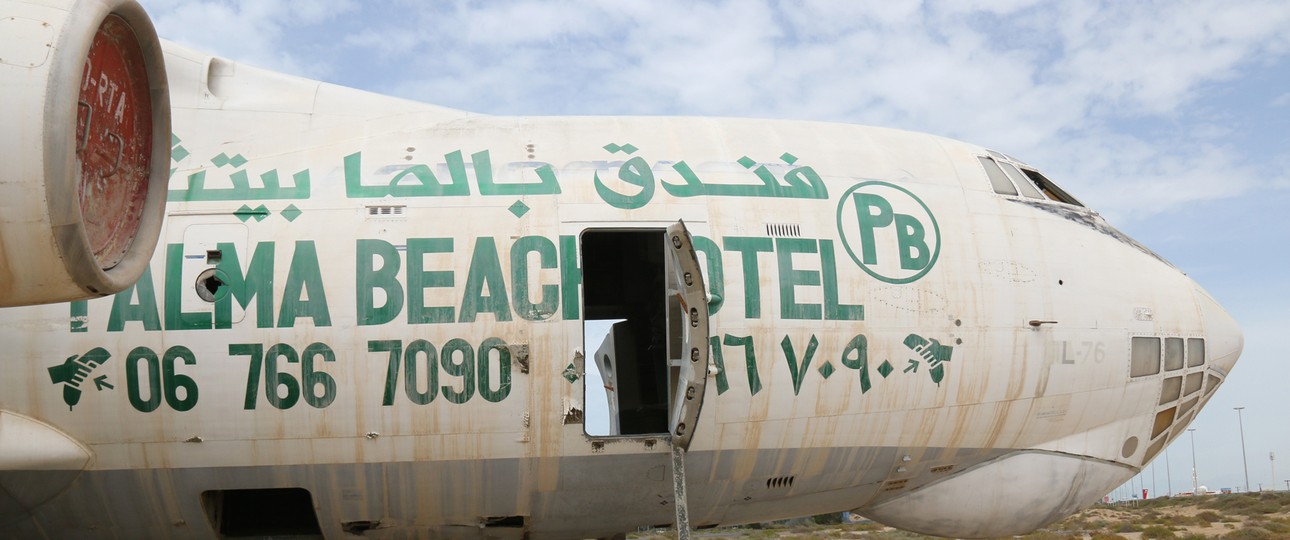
(687, 328)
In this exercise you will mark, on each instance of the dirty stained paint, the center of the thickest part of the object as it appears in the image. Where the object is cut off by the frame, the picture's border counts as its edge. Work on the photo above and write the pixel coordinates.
(421, 370)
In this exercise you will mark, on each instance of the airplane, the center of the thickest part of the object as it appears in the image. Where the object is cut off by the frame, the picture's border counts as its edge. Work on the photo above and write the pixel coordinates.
(370, 317)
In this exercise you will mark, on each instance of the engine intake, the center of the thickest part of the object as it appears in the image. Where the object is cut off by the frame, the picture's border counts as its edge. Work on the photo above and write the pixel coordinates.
(85, 148)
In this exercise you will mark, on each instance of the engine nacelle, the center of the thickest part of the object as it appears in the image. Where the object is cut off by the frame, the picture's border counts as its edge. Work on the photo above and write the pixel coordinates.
(84, 148)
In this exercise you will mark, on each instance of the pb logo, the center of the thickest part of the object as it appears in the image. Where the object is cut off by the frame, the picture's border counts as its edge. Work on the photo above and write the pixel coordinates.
(888, 231)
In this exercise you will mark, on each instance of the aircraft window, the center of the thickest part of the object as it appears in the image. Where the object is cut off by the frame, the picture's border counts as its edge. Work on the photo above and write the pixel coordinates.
(1193, 383)
(1145, 358)
(1212, 382)
(1171, 390)
(998, 180)
(1164, 419)
(1021, 181)
(1195, 352)
(1155, 448)
(209, 285)
(1050, 189)
(1173, 353)
(1188, 405)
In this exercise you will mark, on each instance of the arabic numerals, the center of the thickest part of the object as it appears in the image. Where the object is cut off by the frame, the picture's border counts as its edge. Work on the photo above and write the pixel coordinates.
(133, 387)
(312, 379)
(420, 353)
(256, 352)
(282, 389)
(453, 350)
(856, 356)
(465, 370)
(487, 349)
(172, 382)
(394, 348)
(161, 379)
(274, 379)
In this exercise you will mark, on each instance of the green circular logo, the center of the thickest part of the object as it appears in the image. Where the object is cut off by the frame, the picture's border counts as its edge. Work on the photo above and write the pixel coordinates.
(888, 231)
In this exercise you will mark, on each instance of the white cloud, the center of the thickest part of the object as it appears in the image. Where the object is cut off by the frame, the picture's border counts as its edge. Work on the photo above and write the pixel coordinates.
(251, 31)
(1065, 86)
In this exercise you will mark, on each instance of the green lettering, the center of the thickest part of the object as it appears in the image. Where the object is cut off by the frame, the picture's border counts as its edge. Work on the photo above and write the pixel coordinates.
(865, 202)
(458, 348)
(833, 309)
(424, 349)
(274, 379)
(173, 382)
(910, 237)
(303, 295)
(798, 372)
(368, 278)
(395, 348)
(419, 279)
(856, 356)
(123, 310)
(311, 379)
(570, 277)
(750, 360)
(550, 299)
(790, 278)
(748, 248)
(715, 274)
(256, 282)
(134, 388)
(723, 384)
(486, 388)
(255, 352)
(485, 272)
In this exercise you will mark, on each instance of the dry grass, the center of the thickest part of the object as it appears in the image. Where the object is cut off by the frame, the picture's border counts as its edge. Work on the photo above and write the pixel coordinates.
(1245, 516)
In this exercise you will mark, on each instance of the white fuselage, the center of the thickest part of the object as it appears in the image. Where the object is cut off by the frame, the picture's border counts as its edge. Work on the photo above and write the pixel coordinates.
(887, 334)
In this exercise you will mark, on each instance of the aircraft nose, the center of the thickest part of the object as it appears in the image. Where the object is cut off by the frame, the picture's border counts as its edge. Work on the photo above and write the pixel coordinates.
(1223, 336)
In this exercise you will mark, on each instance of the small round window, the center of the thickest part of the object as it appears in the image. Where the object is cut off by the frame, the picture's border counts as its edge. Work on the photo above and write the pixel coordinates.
(211, 286)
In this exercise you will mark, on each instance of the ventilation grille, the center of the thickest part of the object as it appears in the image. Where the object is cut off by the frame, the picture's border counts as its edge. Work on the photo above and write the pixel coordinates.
(784, 230)
(386, 211)
(779, 482)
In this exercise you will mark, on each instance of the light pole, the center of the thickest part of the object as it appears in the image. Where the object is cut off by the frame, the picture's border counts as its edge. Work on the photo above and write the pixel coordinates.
(1169, 475)
(1195, 485)
(1243, 460)
(1272, 459)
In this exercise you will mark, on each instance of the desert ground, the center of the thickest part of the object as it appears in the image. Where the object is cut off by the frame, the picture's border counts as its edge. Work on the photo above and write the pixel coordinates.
(1242, 516)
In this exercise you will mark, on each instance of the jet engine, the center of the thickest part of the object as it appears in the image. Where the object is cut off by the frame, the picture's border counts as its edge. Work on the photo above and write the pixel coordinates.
(84, 148)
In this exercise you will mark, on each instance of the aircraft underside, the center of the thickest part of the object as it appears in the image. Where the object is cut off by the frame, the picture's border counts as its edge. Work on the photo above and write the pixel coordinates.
(530, 498)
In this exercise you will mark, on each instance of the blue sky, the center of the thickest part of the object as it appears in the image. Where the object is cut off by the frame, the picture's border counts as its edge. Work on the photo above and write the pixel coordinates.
(1171, 118)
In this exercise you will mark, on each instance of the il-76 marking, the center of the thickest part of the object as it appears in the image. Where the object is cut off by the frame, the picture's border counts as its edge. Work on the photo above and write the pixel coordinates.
(319, 388)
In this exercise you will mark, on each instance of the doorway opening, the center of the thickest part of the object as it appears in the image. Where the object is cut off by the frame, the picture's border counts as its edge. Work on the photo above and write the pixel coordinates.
(626, 333)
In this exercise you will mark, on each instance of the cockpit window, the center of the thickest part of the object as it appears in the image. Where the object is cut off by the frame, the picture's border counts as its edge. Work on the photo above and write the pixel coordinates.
(1011, 177)
(998, 180)
(1050, 189)
(1022, 182)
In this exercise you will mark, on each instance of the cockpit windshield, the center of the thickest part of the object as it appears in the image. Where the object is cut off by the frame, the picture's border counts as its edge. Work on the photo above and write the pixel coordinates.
(1010, 177)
